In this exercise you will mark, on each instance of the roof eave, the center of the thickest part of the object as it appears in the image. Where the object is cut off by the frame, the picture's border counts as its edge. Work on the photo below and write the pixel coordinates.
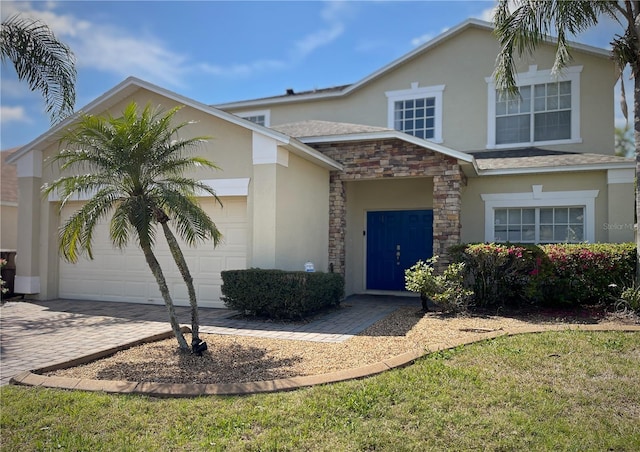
(555, 169)
(386, 135)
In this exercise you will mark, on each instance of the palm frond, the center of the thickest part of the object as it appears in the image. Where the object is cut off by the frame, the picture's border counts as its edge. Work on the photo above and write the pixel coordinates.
(192, 223)
(76, 235)
(120, 227)
(44, 62)
(522, 30)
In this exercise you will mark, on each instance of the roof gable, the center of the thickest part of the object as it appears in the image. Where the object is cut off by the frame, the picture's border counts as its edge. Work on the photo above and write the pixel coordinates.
(131, 85)
(344, 90)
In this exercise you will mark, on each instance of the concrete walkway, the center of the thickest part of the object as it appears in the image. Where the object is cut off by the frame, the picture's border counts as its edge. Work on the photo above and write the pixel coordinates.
(39, 334)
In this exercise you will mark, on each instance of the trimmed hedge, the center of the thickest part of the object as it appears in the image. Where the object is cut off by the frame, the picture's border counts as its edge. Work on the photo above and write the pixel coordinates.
(279, 294)
(557, 274)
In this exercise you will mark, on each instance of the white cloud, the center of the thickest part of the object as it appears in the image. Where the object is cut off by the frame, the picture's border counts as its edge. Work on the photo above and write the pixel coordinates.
(109, 48)
(13, 114)
(422, 39)
(333, 15)
(118, 51)
(321, 38)
(418, 41)
(241, 70)
(112, 51)
(487, 14)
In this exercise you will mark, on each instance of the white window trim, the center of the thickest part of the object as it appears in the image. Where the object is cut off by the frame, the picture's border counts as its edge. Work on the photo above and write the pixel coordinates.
(533, 77)
(538, 198)
(416, 92)
(265, 113)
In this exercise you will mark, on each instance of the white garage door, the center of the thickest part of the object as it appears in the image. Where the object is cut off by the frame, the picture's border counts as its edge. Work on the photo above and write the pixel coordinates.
(115, 275)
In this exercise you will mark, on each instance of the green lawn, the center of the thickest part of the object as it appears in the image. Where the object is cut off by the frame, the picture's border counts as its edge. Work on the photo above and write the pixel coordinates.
(550, 391)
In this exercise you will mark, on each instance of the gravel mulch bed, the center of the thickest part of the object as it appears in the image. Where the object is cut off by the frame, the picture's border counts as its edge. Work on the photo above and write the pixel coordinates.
(232, 359)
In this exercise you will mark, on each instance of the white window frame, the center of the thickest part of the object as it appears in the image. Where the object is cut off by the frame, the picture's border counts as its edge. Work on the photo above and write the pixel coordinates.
(265, 113)
(539, 199)
(416, 92)
(530, 78)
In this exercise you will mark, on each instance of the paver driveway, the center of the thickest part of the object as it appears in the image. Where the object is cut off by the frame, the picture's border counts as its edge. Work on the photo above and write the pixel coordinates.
(36, 334)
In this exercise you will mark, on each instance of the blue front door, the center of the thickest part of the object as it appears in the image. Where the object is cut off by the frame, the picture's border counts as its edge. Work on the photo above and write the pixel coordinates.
(395, 241)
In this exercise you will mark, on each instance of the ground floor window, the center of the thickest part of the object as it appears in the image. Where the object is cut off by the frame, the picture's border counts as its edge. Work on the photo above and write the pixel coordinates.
(539, 224)
(540, 217)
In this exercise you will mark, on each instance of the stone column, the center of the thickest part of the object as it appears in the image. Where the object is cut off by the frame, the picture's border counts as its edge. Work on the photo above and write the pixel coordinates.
(447, 204)
(337, 222)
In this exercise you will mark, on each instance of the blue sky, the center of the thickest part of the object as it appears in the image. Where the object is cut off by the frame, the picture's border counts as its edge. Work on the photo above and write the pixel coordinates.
(216, 51)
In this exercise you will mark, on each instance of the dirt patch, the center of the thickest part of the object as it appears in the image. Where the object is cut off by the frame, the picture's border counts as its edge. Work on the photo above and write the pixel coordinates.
(231, 359)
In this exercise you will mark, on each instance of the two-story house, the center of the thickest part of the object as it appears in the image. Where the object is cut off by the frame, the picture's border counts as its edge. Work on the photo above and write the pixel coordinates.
(367, 178)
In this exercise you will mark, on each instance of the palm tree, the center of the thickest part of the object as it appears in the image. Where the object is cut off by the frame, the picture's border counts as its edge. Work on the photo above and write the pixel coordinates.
(133, 166)
(523, 29)
(47, 64)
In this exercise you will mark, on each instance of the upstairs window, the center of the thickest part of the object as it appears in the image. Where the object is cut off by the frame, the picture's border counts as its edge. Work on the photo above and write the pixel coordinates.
(417, 111)
(546, 111)
(416, 117)
(260, 117)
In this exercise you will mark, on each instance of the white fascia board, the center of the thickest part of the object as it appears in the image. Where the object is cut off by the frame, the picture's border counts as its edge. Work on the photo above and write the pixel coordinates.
(555, 169)
(392, 134)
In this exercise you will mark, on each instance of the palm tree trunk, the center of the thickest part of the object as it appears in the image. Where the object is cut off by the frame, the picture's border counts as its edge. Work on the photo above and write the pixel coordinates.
(180, 261)
(154, 265)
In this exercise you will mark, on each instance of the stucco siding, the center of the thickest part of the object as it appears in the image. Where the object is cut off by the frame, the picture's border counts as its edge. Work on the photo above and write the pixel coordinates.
(302, 215)
(473, 207)
(462, 63)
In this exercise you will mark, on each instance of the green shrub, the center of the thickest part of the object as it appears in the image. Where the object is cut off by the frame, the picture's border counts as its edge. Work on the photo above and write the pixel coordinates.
(503, 274)
(280, 294)
(419, 278)
(446, 290)
(589, 273)
(629, 300)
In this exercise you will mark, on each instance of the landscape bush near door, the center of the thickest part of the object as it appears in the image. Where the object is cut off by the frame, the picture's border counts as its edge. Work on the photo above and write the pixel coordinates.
(279, 294)
(556, 274)
(446, 290)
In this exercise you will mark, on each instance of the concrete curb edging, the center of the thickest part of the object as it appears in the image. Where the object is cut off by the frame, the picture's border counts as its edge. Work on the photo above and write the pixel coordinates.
(34, 377)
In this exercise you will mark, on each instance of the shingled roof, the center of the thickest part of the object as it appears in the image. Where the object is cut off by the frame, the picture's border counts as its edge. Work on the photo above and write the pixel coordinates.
(316, 128)
(541, 158)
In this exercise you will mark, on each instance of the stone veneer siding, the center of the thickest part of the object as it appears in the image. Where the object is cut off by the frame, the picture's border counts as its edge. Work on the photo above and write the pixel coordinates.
(394, 159)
